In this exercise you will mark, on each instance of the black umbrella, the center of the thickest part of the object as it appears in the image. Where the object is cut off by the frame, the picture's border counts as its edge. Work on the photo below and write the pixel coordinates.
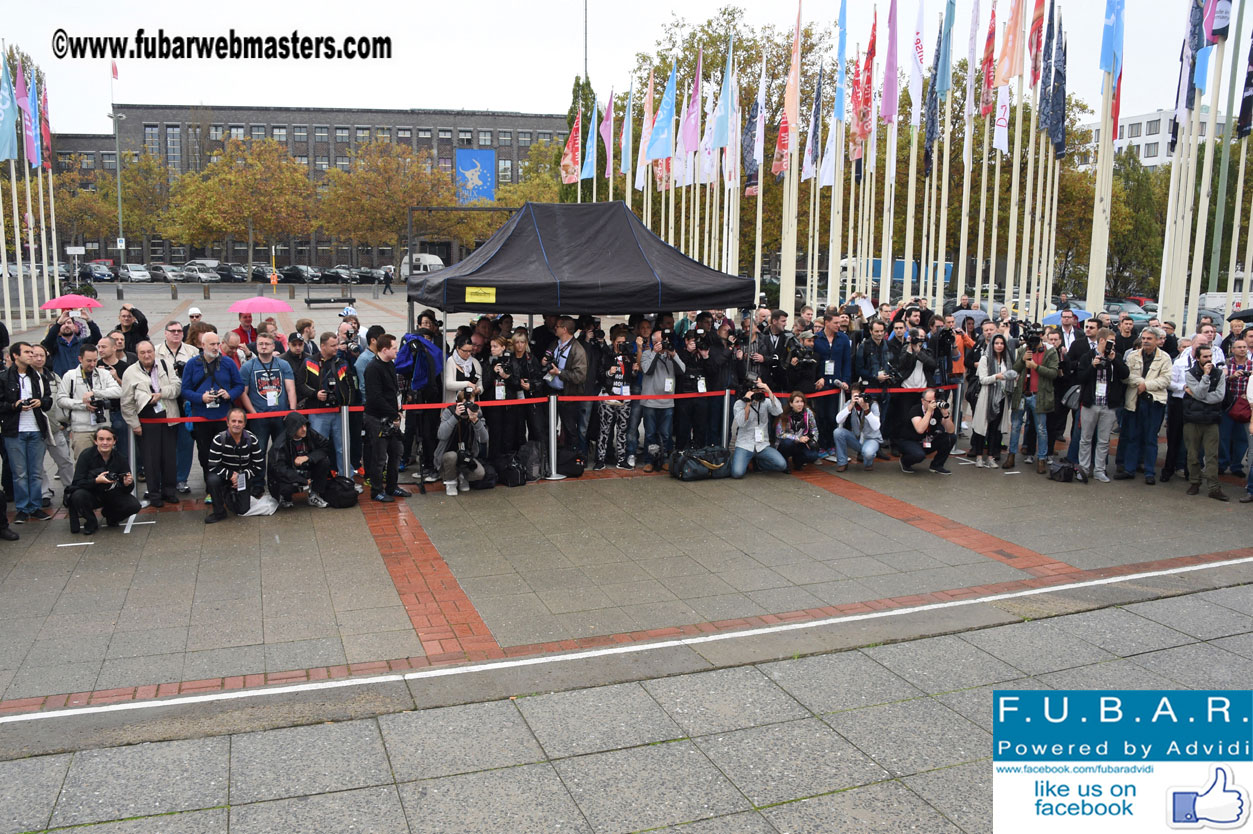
(1242, 315)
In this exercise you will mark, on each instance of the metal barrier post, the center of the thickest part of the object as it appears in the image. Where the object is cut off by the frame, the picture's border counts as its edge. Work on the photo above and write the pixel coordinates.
(346, 443)
(173, 292)
(134, 462)
(726, 418)
(552, 440)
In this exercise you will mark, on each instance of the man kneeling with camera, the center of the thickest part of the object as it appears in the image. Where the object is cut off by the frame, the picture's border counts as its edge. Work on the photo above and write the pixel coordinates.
(927, 429)
(753, 413)
(102, 478)
(300, 461)
(462, 437)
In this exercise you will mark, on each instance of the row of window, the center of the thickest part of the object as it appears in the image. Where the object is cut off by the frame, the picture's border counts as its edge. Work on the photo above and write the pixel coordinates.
(362, 135)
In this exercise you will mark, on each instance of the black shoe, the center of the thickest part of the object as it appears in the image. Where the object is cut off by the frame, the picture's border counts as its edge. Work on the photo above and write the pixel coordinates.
(91, 526)
(600, 464)
(940, 470)
(383, 499)
(73, 522)
(1166, 476)
(214, 518)
(907, 470)
(397, 492)
(882, 455)
(1150, 480)
(1218, 495)
(21, 518)
(40, 515)
(45, 503)
(170, 499)
(8, 535)
(1122, 475)
(156, 502)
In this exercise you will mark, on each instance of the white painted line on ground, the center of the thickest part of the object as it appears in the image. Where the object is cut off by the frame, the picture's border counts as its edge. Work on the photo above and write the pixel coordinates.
(77, 544)
(632, 648)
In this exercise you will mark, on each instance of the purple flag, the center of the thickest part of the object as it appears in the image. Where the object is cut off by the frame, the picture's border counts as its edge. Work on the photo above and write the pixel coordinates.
(691, 119)
(28, 120)
(606, 136)
(890, 93)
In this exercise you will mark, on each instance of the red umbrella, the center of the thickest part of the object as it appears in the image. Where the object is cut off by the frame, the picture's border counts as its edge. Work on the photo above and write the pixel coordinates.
(72, 301)
(260, 304)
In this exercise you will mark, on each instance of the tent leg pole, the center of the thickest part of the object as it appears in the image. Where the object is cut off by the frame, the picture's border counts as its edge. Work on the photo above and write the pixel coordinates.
(552, 440)
(412, 323)
(726, 419)
(344, 433)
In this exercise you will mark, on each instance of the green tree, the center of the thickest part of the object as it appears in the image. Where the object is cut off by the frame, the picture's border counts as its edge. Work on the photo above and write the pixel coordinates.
(145, 196)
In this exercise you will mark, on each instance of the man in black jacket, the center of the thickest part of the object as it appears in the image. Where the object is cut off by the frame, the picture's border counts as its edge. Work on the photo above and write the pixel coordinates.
(235, 461)
(382, 421)
(102, 478)
(24, 403)
(134, 326)
(300, 460)
(1101, 375)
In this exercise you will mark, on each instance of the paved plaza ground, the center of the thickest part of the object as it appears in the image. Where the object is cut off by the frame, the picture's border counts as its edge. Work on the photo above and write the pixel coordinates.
(664, 652)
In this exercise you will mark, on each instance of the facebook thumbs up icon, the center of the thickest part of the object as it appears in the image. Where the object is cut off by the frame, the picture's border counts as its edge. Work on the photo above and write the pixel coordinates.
(1221, 805)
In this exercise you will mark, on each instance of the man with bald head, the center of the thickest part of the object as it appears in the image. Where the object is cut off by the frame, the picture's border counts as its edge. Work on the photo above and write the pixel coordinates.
(210, 383)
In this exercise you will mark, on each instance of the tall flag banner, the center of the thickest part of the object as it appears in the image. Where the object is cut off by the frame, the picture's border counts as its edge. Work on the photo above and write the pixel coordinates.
(1193, 46)
(855, 131)
(916, 72)
(1000, 136)
(690, 131)
(1200, 75)
(841, 56)
(588, 171)
(1035, 44)
(37, 159)
(933, 110)
(707, 155)
(826, 174)
(661, 142)
(681, 150)
(1111, 52)
(731, 158)
(855, 141)
(944, 80)
(570, 157)
(726, 103)
(626, 140)
(757, 123)
(45, 128)
(646, 131)
(792, 92)
(23, 104)
(1046, 95)
(867, 82)
(782, 147)
(1057, 132)
(8, 116)
(1243, 127)
(891, 92)
(1009, 65)
(970, 64)
(1217, 19)
(987, 102)
(813, 139)
(606, 136)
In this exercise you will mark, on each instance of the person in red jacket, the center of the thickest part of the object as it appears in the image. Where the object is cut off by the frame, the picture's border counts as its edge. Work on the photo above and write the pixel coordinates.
(247, 333)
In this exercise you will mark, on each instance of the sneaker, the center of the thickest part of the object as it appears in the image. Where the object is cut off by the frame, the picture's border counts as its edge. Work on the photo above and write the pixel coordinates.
(208, 499)
(315, 500)
(600, 464)
(450, 488)
(183, 487)
(430, 476)
(630, 464)
(980, 463)
(40, 515)
(907, 470)
(622, 464)
(383, 499)
(284, 504)
(21, 518)
(463, 483)
(1028, 458)
(359, 488)
(940, 470)
(397, 492)
(1102, 477)
(992, 464)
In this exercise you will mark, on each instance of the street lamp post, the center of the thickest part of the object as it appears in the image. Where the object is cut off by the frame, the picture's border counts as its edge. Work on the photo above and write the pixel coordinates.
(117, 166)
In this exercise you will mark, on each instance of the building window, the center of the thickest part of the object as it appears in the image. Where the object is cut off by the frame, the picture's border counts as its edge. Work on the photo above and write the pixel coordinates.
(424, 133)
(237, 132)
(505, 137)
(383, 134)
(561, 138)
(279, 134)
(341, 162)
(302, 159)
(1133, 130)
(108, 160)
(544, 136)
(257, 131)
(215, 133)
(174, 147)
(152, 139)
(64, 160)
(363, 135)
(504, 171)
(87, 162)
(1122, 131)
(1202, 128)
(445, 134)
(404, 134)
(300, 133)
(342, 134)
(445, 164)
(465, 138)
(1150, 150)
(1152, 128)
(485, 138)
(321, 132)
(524, 138)
(321, 163)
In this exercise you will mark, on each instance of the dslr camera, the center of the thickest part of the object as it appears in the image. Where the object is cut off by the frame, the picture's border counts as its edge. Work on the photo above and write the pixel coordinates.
(667, 340)
(388, 429)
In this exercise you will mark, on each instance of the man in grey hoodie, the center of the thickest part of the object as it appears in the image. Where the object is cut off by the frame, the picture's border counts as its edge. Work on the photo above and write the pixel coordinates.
(660, 366)
(1205, 385)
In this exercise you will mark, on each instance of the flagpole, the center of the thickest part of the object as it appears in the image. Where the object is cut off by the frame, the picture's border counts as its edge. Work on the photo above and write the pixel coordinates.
(17, 248)
(835, 257)
(1165, 275)
(924, 240)
(1038, 302)
(1179, 288)
(967, 163)
(43, 232)
(1024, 268)
(1031, 217)
(30, 243)
(996, 222)
(939, 189)
(4, 272)
(698, 175)
(52, 209)
(1011, 262)
(1235, 230)
(1220, 216)
(1207, 177)
(1050, 260)
(911, 212)
(850, 273)
(983, 209)
(1100, 203)
(683, 216)
(867, 246)
(942, 240)
(1248, 258)
(1172, 305)
(886, 263)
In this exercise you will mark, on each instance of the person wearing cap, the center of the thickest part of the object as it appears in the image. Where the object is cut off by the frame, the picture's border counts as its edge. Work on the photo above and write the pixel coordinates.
(802, 369)
(193, 315)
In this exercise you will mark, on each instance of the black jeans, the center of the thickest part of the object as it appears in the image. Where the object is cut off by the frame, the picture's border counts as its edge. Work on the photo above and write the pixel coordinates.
(384, 456)
(116, 504)
(204, 434)
(913, 453)
(225, 496)
(691, 419)
(319, 475)
(158, 448)
(1175, 458)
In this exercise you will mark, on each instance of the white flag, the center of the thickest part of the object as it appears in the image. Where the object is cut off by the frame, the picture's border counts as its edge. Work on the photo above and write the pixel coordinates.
(826, 174)
(916, 105)
(972, 61)
(1000, 137)
(708, 159)
(759, 138)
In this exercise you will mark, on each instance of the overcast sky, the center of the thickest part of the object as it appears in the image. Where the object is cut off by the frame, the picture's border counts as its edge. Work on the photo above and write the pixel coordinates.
(499, 54)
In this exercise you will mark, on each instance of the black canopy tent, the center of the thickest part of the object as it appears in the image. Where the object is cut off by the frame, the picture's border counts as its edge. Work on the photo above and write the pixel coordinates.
(577, 258)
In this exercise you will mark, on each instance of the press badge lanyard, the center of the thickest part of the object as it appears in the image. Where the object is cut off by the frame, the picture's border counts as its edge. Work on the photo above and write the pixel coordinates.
(271, 396)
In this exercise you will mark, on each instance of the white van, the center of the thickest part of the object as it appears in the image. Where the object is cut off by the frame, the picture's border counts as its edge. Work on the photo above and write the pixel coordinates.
(423, 261)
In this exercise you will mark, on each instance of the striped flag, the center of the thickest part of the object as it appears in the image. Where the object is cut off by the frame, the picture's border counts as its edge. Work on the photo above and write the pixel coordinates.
(606, 136)
(625, 142)
(646, 130)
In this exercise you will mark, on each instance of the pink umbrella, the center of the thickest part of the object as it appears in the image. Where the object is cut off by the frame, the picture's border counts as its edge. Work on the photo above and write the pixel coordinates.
(260, 304)
(73, 301)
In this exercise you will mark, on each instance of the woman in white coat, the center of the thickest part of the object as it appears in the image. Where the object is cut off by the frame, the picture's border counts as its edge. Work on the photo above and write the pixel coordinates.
(992, 413)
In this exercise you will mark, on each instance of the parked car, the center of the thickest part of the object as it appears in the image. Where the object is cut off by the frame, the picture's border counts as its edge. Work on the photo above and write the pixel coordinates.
(369, 276)
(299, 274)
(94, 272)
(232, 273)
(202, 274)
(1117, 306)
(340, 273)
(135, 273)
(164, 272)
(261, 273)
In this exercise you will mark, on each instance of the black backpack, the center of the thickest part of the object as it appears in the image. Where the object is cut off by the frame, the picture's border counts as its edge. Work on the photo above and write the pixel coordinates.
(570, 463)
(1063, 471)
(533, 460)
(340, 493)
(488, 481)
(509, 470)
(700, 464)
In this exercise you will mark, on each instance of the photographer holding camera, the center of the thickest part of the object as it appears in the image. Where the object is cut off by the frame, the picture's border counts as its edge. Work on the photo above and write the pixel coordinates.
(210, 384)
(772, 350)
(797, 432)
(102, 478)
(382, 422)
(803, 373)
(914, 369)
(86, 394)
(462, 439)
(691, 416)
(929, 428)
(1205, 386)
(173, 353)
(659, 369)
(753, 412)
(235, 464)
(616, 375)
(857, 423)
(1037, 365)
(1101, 375)
(299, 461)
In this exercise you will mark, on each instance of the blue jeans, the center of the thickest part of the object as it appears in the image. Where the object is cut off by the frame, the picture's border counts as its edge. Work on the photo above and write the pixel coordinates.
(328, 426)
(768, 460)
(657, 432)
(266, 430)
(1233, 445)
(26, 460)
(1145, 424)
(844, 437)
(1041, 427)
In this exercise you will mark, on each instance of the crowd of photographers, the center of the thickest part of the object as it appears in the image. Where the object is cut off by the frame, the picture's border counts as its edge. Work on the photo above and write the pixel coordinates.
(853, 382)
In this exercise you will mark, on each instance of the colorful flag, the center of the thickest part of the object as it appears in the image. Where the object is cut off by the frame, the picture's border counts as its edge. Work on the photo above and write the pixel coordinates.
(781, 147)
(731, 156)
(970, 63)
(606, 136)
(588, 171)
(792, 92)
(570, 158)
(1035, 45)
(1046, 95)
(813, 139)
(841, 57)
(933, 109)
(891, 92)
(1057, 132)
(681, 150)
(867, 81)
(826, 174)
(987, 102)
(646, 130)
(690, 131)
(1200, 74)
(625, 142)
(114, 70)
(1217, 19)
(8, 116)
(945, 78)
(722, 113)
(1243, 127)
(757, 123)
(45, 129)
(856, 97)
(1009, 65)
(30, 117)
(1112, 37)
(661, 142)
(310, 366)
(916, 72)
(1000, 137)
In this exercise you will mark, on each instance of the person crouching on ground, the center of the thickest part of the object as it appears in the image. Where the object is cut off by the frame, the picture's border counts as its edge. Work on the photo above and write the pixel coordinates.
(102, 478)
(753, 413)
(235, 461)
(797, 432)
(462, 437)
(300, 461)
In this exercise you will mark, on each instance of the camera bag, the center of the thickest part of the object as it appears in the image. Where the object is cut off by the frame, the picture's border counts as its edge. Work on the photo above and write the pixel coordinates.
(570, 463)
(1062, 470)
(340, 493)
(700, 464)
(533, 460)
(489, 479)
(509, 470)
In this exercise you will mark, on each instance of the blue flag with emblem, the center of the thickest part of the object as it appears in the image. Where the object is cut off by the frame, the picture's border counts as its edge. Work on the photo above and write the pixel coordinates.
(589, 151)
(661, 143)
(8, 116)
(476, 175)
(1046, 78)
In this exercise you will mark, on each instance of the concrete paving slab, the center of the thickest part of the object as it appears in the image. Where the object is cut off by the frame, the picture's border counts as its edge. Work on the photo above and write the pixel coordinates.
(912, 736)
(1195, 616)
(364, 811)
(885, 808)
(1121, 632)
(724, 700)
(961, 793)
(528, 798)
(29, 790)
(211, 821)
(299, 761)
(1037, 647)
(840, 681)
(442, 742)
(601, 718)
(940, 664)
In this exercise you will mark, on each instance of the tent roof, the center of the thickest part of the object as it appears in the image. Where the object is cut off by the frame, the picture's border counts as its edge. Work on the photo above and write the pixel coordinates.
(577, 258)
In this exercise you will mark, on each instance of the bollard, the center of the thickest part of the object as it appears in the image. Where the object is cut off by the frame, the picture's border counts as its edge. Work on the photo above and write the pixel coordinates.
(726, 419)
(291, 291)
(134, 462)
(376, 290)
(173, 292)
(260, 290)
(346, 443)
(120, 295)
(552, 440)
(204, 288)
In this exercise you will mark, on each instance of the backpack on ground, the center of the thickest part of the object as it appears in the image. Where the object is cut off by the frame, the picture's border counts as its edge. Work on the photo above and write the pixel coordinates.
(533, 460)
(570, 463)
(1062, 470)
(489, 479)
(700, 464)
(340, 493)
(509, 470)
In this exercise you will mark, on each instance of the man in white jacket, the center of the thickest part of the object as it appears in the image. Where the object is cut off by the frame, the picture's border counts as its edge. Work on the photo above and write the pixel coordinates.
(150, 390)
(85, 395)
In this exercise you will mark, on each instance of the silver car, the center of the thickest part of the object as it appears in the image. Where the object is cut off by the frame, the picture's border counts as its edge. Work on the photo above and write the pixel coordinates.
(197, 272)
(135, 273)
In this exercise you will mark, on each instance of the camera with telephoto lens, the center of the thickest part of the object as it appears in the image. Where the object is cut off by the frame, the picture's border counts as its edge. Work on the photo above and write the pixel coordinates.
(389, 429)
(702, 339)
(667, 340)
(804, 356)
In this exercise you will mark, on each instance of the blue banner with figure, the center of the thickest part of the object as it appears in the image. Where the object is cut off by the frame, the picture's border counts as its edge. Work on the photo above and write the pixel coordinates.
(475, 175)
